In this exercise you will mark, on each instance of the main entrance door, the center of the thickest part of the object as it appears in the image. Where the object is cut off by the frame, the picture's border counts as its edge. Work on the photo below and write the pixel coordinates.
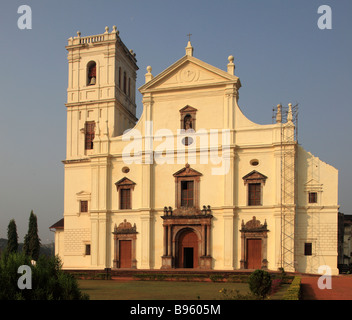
(125, 253)
(254, 253)
(188, 249)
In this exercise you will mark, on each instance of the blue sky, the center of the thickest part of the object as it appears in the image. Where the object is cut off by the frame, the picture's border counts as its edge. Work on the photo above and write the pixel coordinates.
(281, 56)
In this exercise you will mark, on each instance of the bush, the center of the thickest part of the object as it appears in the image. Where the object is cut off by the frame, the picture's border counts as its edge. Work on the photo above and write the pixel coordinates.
(229, 294)
(260, 283)
(216, 277)
(9, 264)
(102, 276)
(161, 277)
(147, 276)
(48, 280)
(238, 278)
(294, 290)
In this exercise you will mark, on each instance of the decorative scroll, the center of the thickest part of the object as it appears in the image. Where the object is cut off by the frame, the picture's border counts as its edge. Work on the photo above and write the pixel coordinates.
(125, 227)
(254, 225)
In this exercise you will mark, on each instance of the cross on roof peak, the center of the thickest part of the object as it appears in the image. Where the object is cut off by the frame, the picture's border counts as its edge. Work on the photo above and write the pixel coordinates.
(189, 48)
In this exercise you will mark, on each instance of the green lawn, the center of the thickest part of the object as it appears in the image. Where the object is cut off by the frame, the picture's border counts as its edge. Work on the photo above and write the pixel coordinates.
(156, 290)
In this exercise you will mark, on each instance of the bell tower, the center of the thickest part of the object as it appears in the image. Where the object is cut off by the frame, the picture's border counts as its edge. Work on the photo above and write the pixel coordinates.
(100, 93)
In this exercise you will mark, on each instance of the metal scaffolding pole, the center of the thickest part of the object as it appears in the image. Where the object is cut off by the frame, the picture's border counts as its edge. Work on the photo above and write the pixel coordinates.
(288, 140)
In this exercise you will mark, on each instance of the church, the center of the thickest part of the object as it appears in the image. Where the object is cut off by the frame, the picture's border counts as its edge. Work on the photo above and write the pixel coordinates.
(192, 183)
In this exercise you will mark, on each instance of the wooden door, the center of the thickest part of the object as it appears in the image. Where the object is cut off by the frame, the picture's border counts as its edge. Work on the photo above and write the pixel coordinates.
(125, 247)
(188, 245)
(254, 253)
(188, 257)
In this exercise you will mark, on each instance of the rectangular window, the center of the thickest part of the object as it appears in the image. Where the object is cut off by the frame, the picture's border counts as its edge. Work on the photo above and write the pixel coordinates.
(129, 87)
(313, 197)
(125, 199)
(89, 135)
(254, 194)
(120, 77)
(308, 249)
(124, 83)
(87, 250)
(187, 193)
(84, 206)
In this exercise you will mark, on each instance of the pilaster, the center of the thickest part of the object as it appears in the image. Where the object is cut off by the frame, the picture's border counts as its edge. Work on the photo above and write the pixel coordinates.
(228, 219)
(145, 247)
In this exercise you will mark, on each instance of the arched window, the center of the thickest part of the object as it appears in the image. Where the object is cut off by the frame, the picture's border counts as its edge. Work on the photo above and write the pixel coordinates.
(187, 122)
(188, 118)
(92, 73)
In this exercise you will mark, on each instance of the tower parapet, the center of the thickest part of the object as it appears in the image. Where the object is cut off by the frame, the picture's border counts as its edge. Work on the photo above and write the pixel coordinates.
(101, 90)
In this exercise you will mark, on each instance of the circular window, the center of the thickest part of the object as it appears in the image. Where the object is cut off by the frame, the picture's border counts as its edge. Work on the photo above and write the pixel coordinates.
(254, 162)
(125, 169)
(187, 141)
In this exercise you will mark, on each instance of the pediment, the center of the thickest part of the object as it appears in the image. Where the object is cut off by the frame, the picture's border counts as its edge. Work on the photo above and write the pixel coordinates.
(254, 177)
(312, 182)
(83, 195)
(188, 72)
(124, 183)
(313, 185)
(187, 171)
(188, 109)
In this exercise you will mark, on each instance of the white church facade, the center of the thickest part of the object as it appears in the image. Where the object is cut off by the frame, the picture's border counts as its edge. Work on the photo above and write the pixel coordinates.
(193, 183)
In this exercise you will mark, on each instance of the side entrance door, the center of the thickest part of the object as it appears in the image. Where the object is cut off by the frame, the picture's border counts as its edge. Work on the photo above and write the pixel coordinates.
(254, 253)
(125, 250)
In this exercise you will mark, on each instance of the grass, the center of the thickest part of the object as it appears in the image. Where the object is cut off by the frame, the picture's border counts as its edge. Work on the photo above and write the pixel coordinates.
(156, 290)
(163, 290)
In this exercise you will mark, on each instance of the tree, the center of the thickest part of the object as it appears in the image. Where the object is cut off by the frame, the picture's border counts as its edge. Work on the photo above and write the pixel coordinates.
(12, 237)
(31, 246)
(48, 280)
(260, 283)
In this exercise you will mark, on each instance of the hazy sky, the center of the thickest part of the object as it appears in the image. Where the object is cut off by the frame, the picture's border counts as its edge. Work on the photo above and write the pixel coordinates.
(281, 56)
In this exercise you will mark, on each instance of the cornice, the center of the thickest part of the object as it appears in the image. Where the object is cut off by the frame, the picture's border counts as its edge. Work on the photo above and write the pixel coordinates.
(71, 161)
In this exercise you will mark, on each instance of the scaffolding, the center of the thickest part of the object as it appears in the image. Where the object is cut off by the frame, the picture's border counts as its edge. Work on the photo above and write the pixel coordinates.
(288, 119)
(285, 117)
